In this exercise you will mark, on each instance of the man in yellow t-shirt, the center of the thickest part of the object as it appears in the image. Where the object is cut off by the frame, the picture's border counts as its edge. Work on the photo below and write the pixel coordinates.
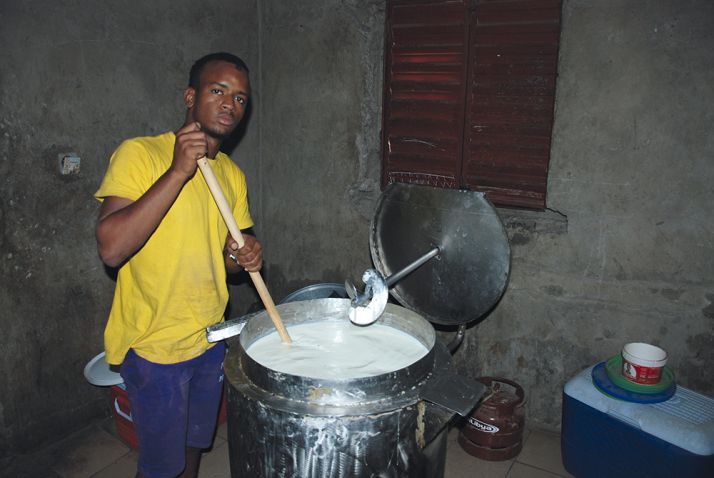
(159, 225)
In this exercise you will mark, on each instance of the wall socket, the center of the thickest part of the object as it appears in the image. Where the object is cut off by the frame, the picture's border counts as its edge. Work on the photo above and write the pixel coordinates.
(68, 163)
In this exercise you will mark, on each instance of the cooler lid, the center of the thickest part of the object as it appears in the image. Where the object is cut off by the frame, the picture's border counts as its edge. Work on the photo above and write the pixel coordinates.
(97, 372)
(468, 277)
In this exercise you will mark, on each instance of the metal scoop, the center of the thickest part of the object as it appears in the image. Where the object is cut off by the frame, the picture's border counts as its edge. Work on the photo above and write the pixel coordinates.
(366, 307)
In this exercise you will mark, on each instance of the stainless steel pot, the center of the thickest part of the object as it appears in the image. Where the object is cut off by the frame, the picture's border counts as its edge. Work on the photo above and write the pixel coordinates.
(394, 424)
(390, 425)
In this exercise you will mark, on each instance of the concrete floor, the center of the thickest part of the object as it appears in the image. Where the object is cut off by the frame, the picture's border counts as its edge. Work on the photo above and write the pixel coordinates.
(97, 452)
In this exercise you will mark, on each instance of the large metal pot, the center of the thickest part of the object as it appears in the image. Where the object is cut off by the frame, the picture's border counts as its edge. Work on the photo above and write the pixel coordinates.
(390, 425)
(394, 424)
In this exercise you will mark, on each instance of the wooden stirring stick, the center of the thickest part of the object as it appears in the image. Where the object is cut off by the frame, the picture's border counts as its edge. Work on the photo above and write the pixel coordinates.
(227, 214)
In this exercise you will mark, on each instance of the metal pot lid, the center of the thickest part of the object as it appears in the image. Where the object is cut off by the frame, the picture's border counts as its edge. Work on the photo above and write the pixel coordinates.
(468, 276)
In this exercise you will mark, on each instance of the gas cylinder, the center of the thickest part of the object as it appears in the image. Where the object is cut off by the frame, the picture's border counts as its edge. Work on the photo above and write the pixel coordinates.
(494, 430)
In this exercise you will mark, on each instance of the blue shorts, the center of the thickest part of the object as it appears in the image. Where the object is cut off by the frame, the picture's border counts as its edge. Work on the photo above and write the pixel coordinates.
(173, 406)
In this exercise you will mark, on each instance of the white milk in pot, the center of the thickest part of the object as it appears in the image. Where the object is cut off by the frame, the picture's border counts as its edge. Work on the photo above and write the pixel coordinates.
(338, 349)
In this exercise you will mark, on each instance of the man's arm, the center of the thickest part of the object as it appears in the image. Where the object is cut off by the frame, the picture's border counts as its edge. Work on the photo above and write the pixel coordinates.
(124, 225)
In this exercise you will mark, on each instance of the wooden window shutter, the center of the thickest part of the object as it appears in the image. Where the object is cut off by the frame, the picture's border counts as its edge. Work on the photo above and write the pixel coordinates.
(424, 92)
(512, 74)
(469, 94)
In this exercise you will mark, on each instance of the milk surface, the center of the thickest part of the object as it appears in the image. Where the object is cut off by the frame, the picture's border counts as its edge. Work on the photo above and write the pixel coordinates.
(337, 349)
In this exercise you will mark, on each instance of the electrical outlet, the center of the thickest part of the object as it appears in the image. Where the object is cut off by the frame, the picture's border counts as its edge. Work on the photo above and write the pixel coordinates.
(68, 163)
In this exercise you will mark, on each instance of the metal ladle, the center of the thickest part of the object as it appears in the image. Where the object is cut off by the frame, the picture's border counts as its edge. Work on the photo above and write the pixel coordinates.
(367, 306)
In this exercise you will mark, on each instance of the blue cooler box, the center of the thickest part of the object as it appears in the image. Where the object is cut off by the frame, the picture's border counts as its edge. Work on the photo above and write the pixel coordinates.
(603, 437)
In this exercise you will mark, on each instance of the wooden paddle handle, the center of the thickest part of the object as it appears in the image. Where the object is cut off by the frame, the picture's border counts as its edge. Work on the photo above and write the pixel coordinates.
(234, 230)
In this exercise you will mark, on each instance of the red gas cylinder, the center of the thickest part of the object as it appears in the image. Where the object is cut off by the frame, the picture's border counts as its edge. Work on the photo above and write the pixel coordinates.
(494, 430)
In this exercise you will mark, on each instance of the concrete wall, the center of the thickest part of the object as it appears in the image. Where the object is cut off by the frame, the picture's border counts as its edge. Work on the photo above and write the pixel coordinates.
(629, 255)
(322, 77)
(624, 254)
(80, 76)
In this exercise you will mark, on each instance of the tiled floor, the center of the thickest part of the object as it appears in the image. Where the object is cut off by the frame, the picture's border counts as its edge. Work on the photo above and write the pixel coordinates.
(96, 452)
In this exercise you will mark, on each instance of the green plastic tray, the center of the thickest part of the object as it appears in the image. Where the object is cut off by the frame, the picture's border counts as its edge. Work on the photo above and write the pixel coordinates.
(613, 368)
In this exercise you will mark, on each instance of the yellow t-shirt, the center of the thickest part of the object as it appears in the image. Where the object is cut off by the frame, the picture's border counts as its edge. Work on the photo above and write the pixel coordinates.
(175, 285)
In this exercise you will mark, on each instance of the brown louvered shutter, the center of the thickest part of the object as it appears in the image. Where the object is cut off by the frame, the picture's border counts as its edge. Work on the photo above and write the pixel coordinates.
(424, 93)
(469, 95)
(514, 59)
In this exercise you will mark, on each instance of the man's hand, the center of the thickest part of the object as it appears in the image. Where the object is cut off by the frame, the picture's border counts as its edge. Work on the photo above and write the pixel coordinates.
(191, 145)
(249, 257)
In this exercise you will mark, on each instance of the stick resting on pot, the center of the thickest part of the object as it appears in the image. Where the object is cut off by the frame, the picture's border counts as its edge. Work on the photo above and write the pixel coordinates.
(233, 228)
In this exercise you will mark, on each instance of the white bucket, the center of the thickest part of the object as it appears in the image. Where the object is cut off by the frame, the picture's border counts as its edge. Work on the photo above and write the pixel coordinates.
(643, 363)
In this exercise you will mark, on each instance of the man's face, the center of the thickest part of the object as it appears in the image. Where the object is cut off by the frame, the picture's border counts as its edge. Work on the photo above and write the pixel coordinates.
(220, 101)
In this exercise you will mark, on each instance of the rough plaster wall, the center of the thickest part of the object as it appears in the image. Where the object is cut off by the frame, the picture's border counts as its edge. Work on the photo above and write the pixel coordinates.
(322, 80)
(632, 172)
(80, 76)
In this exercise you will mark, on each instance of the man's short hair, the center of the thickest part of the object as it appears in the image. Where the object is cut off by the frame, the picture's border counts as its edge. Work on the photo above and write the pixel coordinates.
(194, 76)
